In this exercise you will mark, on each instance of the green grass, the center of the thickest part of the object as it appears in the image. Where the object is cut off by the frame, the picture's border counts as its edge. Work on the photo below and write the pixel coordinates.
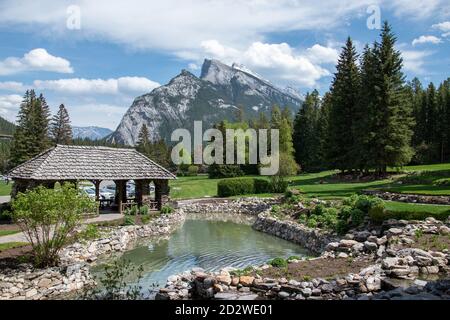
(193, 187)
(11, 245)
(5, 189)
(414, 207)
(8, 232)
(428, 167)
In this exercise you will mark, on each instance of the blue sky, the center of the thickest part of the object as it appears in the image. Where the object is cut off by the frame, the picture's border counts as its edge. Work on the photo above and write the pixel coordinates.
(97, 56)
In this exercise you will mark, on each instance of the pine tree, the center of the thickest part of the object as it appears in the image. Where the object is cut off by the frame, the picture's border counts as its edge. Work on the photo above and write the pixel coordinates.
(344, 97)
(306, 136)
(393, 122)
(31, 135)
(60, 128)
(144, 144)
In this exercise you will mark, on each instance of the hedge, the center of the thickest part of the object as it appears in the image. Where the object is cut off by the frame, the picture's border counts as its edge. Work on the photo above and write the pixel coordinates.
(238, 186)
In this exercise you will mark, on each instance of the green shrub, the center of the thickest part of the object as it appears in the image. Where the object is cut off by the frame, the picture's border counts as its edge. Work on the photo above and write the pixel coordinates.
(291, 258)
(377, 213)
(278, 263)
(56, 213)
(90, 232)
(236, 186)
(145, 219)
(134, 210)
(128, 220)
(144, 210)
(224, 171)
(278, 184)
(261, 185)
(192, 171)
(166, 209)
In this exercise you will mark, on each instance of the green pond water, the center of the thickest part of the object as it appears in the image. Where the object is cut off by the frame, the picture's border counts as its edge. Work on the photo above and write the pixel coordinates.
(208, 244)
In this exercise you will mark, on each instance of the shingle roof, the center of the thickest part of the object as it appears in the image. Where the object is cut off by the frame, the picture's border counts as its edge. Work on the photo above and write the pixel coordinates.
(88, 163)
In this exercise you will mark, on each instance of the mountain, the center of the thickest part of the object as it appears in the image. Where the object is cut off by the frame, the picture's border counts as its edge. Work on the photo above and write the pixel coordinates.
(214, 96)
(93, 133)
(6, 127)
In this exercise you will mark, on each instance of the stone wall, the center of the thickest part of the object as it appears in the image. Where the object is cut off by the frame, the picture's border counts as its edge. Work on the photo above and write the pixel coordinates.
(314, 240)
(250, 206)
(410, 198)
(27, 283)
(73, 275)
(386, 247)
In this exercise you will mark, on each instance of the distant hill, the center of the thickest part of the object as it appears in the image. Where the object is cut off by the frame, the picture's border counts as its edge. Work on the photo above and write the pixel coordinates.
(92, 133)
(6, 127)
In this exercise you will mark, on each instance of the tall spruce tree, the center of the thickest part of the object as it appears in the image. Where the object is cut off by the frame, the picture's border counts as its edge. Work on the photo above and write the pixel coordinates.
(344, 97)
(31, 135)
(306, 135)
(60, 128)
(393, 120)
(144, 143)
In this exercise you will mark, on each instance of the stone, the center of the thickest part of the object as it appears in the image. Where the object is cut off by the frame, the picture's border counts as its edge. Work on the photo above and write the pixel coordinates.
(246, 281)
(347, 243)
(30, 293)
(444, 230)
(173, 278)
(225, 296)
(44, 283)
(370, 246)
(390, 262)
(362, 236)
(283, 294)
(234, 281)
(358, 247)
(306, 292)
(223, 278)
(342, 255)
(373, 283)
(394, 232)
(316, 292)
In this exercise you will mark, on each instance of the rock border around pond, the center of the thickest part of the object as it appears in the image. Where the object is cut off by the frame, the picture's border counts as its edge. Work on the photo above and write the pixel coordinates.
(383, 245)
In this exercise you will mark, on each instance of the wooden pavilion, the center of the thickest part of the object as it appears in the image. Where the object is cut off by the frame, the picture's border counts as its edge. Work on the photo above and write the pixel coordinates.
(64, 163)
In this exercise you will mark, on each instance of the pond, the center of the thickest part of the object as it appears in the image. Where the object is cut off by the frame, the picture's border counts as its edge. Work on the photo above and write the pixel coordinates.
(208, 244)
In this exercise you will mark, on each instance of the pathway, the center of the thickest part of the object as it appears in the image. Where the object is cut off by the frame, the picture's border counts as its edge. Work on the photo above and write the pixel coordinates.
(20, 236)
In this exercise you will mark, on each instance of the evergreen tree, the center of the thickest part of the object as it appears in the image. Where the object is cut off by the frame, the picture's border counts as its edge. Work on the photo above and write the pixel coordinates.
(144, 144)
(31, 135)
(393, 122)
(60, 129)
(344, 97)
(306, 137)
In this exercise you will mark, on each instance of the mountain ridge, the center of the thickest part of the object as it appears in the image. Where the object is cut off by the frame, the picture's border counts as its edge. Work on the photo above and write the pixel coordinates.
(210, 98)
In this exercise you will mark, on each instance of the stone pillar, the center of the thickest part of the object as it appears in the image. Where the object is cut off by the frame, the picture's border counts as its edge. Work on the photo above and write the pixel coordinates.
(161, 192)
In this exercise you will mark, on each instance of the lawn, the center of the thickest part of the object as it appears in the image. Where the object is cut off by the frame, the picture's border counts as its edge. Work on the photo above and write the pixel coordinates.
(11, 245)
(5, 189)
(8, 232)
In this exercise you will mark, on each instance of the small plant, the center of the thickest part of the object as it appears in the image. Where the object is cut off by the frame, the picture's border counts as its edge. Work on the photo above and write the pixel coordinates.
(145, 219)
(128, 220)
(418, 233)
(291, 258)
(166, 209)
(307, 278)
(144, 210)
(90, 232)
(278, 263)
(114, 284)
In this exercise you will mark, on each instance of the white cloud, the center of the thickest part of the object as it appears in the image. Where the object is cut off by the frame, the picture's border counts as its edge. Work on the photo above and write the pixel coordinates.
(426, 39)
(98, 86)
(280, 61)
(320, 54)
(444, 27)
(101, 114)
(9, 104)
(12, 86)
(414, 60)
(181, 25)
(35, 60)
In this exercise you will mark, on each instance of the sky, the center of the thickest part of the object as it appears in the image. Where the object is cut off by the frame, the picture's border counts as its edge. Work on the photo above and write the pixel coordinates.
(95, 57)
